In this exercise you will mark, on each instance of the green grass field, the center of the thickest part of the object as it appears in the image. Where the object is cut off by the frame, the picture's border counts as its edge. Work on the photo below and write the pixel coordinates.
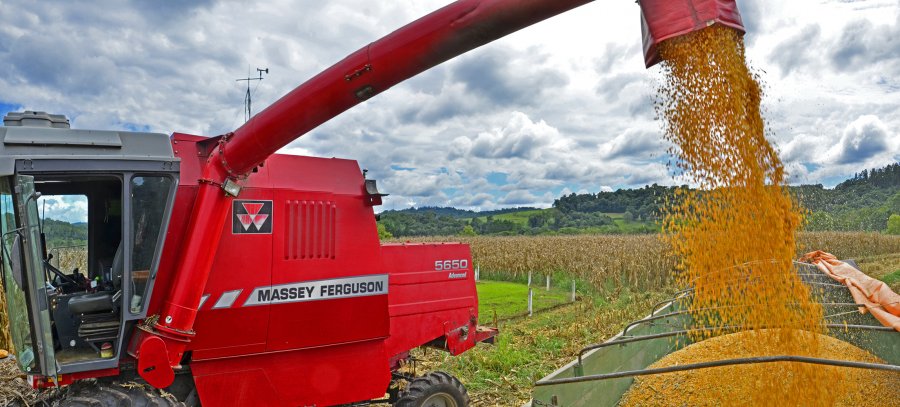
(505, 300)
(892, 278)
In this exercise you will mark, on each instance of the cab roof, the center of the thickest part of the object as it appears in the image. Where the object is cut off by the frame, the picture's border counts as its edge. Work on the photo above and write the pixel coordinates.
(50, 143)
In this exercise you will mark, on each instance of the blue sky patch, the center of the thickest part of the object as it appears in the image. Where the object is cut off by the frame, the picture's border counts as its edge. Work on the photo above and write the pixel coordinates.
(497, 178)
(9, 107)
(136, 127)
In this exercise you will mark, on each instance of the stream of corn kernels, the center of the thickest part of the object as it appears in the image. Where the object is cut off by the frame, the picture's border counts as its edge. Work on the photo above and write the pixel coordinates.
(735, 234)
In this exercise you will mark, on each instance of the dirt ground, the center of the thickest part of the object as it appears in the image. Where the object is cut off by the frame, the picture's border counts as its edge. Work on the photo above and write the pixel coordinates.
(13, 388)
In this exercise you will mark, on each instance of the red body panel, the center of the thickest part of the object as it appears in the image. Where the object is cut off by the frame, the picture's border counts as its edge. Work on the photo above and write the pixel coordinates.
(305, 351)
(428, 299)
(322, 377)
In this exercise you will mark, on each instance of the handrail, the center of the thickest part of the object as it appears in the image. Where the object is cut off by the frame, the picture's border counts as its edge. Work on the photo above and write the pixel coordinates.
(718, 363)
(671, 314)
(709, 329)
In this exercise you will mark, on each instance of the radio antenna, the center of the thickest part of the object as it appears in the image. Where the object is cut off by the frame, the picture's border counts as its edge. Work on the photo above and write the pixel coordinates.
(247, 98)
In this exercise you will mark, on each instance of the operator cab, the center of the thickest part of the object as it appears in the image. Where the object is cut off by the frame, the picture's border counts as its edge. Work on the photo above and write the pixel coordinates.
(84, 214)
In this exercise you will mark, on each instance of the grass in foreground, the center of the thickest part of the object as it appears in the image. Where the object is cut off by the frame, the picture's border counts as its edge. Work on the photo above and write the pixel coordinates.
(529, 348)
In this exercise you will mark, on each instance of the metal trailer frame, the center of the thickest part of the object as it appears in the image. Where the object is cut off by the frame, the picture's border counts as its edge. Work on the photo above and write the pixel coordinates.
(612, 365)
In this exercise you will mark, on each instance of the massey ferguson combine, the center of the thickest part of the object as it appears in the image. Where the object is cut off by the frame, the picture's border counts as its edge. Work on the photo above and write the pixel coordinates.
(230, 275)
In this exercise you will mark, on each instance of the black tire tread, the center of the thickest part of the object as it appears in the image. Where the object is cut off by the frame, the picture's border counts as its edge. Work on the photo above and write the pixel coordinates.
(90, 393)
(422, 387)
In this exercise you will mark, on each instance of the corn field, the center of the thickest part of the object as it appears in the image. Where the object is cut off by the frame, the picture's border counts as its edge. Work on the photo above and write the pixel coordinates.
(604, 261)
(638, 261)
(70, 258)
(849, 245)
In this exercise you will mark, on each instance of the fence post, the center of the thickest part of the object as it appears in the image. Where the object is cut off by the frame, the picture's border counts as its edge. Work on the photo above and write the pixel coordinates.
(573, 290)
(548, 282)
(477, 273)
(529, 278)
(530, 302)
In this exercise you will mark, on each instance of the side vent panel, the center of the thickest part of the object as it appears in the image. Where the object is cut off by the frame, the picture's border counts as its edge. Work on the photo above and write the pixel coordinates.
(310, 230)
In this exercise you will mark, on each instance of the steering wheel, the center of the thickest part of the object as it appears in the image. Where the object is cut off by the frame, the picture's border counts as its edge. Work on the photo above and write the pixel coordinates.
(64, 279)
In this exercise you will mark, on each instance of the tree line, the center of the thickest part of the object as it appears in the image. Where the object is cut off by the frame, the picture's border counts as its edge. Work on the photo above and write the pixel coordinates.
(864, 202)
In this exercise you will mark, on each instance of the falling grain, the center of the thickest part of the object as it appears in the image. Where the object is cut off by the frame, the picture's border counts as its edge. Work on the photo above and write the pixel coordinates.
(735, 236)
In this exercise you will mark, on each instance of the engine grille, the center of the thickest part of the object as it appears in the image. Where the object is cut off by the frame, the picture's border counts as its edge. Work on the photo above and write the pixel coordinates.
(310, 231)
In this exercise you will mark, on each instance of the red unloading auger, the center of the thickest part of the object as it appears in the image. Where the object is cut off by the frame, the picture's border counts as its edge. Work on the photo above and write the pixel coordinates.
(414, 48)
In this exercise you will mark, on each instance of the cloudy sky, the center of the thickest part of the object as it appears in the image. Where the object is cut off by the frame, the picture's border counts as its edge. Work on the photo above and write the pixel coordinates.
(563, 106)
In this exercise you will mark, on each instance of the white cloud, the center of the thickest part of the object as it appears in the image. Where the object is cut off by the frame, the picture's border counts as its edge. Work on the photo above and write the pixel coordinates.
(866, 137)
(634, 143)
(68, 208)
(472, 201)
(526, 198)
(564, 104)
(519, 138)
(804, 148)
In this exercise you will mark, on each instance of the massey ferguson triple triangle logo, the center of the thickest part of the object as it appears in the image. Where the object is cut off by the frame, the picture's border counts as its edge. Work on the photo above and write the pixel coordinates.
(251, 216)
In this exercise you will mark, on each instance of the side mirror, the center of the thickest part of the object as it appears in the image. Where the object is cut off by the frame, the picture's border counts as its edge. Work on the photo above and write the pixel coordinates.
(34, 195)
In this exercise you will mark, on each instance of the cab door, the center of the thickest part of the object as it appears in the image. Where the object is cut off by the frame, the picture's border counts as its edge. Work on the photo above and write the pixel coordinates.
(33, 261)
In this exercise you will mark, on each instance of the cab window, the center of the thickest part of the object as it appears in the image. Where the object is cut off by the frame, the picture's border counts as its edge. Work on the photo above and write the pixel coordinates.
(149, 196)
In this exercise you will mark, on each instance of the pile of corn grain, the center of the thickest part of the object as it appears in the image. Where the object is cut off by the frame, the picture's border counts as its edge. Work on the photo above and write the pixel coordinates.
(735, 236)
(738, 385)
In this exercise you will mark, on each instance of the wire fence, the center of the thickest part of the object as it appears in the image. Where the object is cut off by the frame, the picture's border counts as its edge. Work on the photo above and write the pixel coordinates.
(524, 299)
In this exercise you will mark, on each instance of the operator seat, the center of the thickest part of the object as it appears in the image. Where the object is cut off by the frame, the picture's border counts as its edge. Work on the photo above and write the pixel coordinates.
(101, 301)
(91, 303)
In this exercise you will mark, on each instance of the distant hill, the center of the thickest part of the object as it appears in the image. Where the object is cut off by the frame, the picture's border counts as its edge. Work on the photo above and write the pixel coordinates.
(63, 234)
(863, 202)
(434, 221)
(622, 211)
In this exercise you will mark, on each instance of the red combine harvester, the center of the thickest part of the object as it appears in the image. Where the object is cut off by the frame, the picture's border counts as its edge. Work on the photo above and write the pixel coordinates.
(230, 275)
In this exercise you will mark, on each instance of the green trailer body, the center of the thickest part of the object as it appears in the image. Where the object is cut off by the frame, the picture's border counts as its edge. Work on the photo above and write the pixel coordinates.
(646, 341)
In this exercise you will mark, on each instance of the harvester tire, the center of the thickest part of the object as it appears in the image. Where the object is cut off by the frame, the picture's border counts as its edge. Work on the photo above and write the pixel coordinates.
(94, 394)
(435, 389)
